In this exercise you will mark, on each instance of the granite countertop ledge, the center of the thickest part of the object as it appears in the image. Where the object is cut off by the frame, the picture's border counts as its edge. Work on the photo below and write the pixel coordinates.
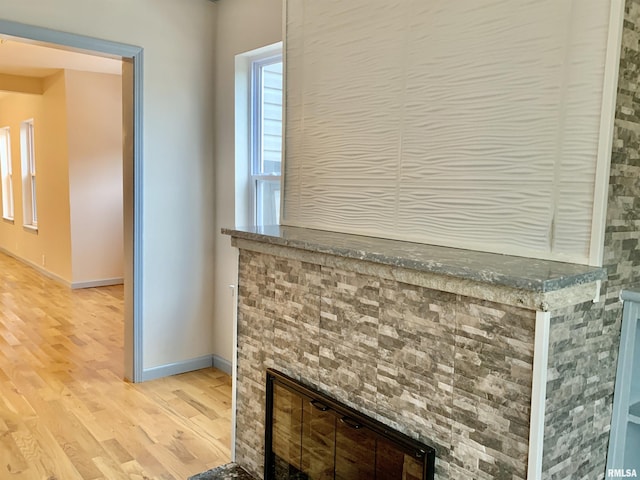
(495, 269)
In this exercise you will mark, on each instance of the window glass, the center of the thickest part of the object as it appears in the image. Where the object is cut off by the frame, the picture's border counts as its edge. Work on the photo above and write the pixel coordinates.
(266, 139)
(6, 173)
(27, 152)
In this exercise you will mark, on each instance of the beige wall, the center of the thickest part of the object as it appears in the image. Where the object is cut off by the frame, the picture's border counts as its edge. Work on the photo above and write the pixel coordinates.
(94, 119)
(78, 151)
(243, 25)
(52, 165)
(50, 247)
(178, 38)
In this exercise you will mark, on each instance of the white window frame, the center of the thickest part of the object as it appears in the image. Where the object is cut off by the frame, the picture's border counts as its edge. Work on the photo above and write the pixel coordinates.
(257, 173)
(28, 157)
(245, 181)
(6, 171)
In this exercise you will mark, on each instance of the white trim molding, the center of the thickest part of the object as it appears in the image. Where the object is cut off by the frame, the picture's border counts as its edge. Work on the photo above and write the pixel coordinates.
(105, 282)
(177, 368)
(538, 394)
(222, 364)
(36, 267)
(234, 360)
(605, 144)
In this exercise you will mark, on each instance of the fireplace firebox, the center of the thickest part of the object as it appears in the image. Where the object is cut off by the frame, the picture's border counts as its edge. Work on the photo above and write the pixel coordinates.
(310, 436)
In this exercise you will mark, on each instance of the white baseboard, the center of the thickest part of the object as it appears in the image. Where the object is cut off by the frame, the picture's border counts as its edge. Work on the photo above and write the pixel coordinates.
(37, 267)
(73, 285)
(98, 283)
(177, 368)
(222, 364)
(185, 366)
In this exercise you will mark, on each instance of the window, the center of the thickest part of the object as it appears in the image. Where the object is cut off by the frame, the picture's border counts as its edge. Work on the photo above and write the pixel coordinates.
(5, 172)
(27, 153)
(266, 139)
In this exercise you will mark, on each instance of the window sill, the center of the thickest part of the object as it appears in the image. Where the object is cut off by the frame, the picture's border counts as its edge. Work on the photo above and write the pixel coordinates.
(8, 220)
(30, 228)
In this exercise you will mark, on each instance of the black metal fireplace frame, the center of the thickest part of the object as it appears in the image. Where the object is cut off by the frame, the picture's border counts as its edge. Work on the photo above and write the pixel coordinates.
(407, 444)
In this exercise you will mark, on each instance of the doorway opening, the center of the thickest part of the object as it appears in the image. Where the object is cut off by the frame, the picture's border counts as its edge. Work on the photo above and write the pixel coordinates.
(131, 57)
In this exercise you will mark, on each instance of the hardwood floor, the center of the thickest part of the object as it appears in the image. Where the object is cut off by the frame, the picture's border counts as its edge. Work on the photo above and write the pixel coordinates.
(66, 413)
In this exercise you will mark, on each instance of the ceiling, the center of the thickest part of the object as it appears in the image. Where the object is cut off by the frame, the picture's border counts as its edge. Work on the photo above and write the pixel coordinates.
(20, 58)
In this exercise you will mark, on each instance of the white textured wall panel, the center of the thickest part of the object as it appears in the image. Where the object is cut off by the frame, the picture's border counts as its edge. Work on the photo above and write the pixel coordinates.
(472, 123)
(294, 112)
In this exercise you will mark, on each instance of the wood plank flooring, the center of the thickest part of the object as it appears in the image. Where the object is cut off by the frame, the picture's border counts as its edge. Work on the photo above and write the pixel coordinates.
(65, 411)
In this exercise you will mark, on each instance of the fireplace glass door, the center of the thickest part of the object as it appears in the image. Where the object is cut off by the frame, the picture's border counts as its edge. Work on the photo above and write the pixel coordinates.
(310, 436)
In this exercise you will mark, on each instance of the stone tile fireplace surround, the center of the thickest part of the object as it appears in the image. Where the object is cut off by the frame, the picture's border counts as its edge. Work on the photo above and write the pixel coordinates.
(451, 347)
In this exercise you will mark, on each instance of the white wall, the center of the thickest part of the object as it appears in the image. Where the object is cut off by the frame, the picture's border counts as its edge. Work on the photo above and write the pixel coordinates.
(94, 127)
(243, 25)
(178, 38)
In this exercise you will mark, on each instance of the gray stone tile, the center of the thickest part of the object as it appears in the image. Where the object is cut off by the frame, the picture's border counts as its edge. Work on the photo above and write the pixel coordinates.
(231, 471)
(444, 369)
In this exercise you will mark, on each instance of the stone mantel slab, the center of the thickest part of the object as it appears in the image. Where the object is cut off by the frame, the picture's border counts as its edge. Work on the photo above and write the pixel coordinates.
(541, 285)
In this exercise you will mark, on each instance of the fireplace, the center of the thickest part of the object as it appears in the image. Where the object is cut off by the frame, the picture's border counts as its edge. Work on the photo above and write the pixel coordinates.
(446, 346)
(310, 436)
